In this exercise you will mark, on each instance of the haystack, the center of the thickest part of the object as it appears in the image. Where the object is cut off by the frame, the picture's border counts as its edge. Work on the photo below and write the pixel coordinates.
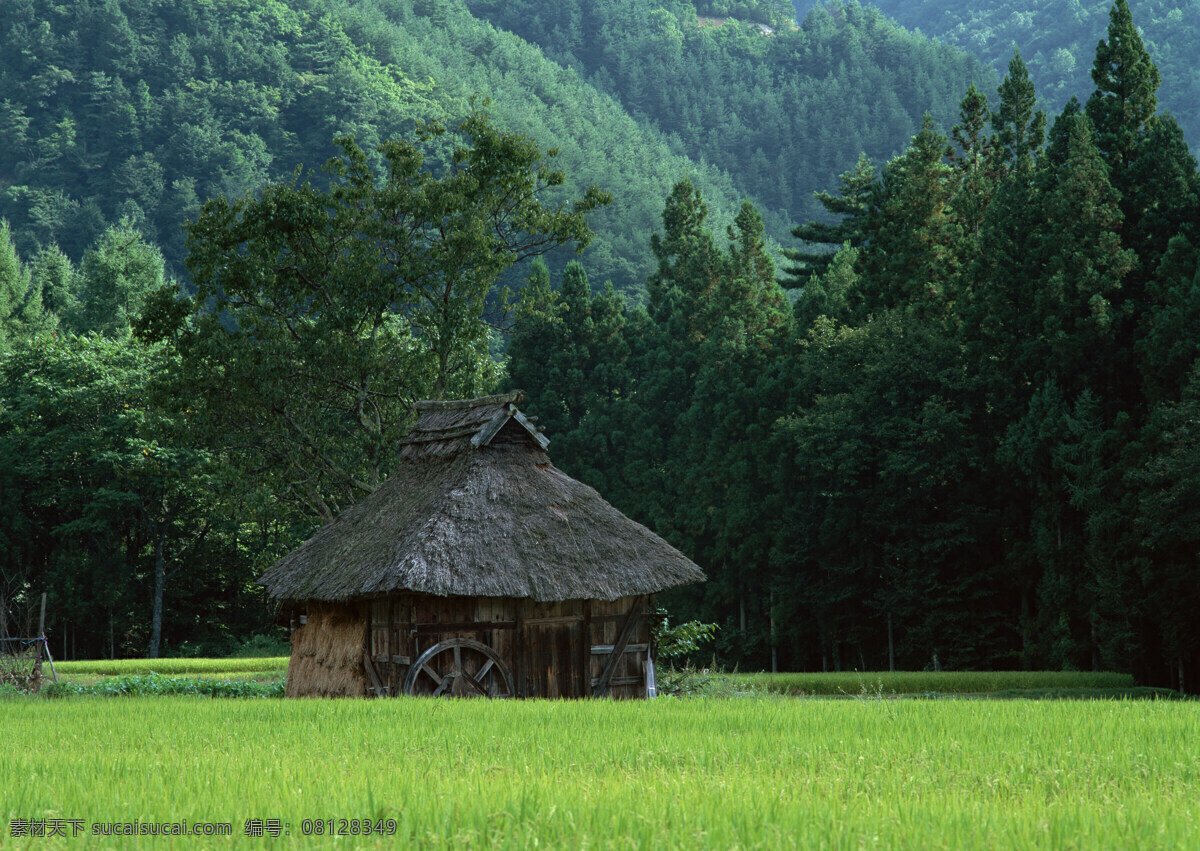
(476, 541)
(327, 659)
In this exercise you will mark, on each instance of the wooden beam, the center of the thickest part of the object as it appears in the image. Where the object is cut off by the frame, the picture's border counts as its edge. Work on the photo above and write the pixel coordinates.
(605, 649)
(541, 439)
(462, 626)
(583, 682)
(376, 685)
(622, 681)
(520, 670)
(491, 428)
(635, 612)
(555, 619)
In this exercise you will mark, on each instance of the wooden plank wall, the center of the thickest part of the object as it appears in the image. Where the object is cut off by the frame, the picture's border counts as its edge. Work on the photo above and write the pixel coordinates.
(554, 650)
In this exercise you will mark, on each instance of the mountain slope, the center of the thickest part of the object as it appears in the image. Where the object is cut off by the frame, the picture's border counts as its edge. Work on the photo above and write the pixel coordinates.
(782, 109)
(137, 109)
(1057, 39)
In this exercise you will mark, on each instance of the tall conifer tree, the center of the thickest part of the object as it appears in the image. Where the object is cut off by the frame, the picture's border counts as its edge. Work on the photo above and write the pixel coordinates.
(1019, 128)
(850, 203)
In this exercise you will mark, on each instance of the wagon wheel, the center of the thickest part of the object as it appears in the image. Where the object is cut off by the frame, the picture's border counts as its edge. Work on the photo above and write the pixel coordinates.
(443, 663)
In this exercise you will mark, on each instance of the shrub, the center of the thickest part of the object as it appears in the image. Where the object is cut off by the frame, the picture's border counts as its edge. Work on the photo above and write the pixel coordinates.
(682, 641)
(157, 684)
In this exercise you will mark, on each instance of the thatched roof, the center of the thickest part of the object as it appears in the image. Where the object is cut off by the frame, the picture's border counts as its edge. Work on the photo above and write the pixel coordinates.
(476, 509)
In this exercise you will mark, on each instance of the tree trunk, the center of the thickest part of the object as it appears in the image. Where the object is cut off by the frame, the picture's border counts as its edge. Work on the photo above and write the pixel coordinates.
(160, 584)
(891, 646)
(1026, 614)
(774, 648)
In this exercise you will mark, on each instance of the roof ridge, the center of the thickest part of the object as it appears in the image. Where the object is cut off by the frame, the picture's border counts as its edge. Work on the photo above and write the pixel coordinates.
(515, 397)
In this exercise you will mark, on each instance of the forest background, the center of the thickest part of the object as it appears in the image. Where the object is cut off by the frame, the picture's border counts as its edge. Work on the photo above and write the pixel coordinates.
(947, 420)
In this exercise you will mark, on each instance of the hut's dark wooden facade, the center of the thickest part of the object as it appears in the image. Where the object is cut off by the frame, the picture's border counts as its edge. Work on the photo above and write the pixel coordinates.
(477, 568)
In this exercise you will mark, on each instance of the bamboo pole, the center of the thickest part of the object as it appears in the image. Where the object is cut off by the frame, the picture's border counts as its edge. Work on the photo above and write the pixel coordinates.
(42, 642)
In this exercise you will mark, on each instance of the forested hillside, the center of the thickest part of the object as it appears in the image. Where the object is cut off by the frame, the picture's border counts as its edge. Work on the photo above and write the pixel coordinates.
(110, 110)
(145, 110)
(972, 442)
(782, 109)
(1058, 37)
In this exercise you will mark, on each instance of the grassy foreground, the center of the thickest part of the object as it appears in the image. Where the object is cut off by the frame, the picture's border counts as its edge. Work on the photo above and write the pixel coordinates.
(769, 773)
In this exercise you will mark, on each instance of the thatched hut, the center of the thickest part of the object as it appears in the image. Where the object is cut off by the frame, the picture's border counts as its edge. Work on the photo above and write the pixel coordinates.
(476, 568)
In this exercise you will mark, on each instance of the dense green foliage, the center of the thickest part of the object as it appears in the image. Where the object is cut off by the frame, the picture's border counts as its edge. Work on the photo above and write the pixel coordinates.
(885, 684)
(320, 317)
(128, 667)
(143, 111)
(105, 505)
(152, 683)
(783, 112)
(1059, 39)
(968, 444)
(769, 773)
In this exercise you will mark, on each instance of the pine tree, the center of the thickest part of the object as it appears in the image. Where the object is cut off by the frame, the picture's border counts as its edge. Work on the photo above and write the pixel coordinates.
(17, 307)
(1168, 344)
(53, 275)
(115, 278)
(851, 204)
(830, 293)
(1078, 250)
(725, 464)
(1125, 98)
(975, 158)
(912, 253)
(1019, 129)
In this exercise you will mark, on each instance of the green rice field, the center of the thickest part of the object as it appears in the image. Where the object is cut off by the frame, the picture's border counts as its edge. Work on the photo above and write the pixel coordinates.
(765, 772)
(847, 684)
(120, 667)
(933, 682)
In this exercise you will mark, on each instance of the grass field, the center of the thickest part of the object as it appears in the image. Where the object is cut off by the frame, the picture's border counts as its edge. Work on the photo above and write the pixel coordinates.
(933, 682)
(847, 684)
(119, 667)
(769, 772)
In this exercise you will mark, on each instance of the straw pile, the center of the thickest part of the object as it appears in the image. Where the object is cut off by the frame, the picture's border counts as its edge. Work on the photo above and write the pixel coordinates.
(327, 654)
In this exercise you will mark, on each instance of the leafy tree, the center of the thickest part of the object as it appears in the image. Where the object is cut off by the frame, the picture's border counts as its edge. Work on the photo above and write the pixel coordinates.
(321, 315)
(53, 275)
(115, 502)
(114, 280)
